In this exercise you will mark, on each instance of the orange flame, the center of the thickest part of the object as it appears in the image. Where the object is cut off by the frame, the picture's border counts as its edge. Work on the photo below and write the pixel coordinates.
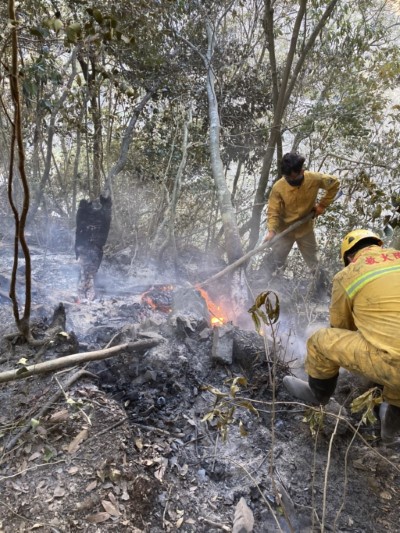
(217, 314)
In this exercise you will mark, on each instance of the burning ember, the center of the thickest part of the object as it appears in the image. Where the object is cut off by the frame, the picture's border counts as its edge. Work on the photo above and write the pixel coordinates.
(217, 315)
(159, 297)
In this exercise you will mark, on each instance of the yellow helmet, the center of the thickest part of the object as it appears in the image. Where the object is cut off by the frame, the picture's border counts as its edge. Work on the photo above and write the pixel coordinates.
(354, 237)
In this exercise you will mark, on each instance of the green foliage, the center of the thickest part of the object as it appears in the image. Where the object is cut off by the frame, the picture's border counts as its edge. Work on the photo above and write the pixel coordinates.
(338, 115)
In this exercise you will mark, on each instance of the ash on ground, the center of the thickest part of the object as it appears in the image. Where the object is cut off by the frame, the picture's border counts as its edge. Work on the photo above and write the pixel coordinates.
(195, 433)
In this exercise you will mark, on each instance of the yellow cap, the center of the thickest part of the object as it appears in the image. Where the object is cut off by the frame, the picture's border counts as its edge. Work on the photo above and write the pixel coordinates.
(356, 236)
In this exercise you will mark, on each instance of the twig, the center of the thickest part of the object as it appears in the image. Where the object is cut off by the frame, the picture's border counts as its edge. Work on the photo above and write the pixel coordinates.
(150, 428)
(67, 398)
(215, 453)
(31, 468)
(328, 464)
(345, 477)
(260, 491)
(166, 508)
(215, 524)
(106, 430)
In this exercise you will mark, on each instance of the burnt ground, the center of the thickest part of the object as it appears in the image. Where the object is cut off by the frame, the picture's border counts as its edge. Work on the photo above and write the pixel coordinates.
(126, 447)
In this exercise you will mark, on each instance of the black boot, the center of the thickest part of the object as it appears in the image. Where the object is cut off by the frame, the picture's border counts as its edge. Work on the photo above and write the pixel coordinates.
(315, 392)
(323, 388)
(390, 422)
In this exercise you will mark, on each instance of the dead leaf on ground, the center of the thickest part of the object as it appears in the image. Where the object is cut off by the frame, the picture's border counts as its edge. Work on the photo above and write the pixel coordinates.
(34, 456)
(91, 486)
(110, 508)
(59, 492)
(74, 445)
(97, 518)
(59, 416)
(159, 473)
(115, 474)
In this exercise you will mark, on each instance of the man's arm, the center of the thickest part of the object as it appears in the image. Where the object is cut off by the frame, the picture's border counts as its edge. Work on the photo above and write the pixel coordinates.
(331, 185)
(341, 314)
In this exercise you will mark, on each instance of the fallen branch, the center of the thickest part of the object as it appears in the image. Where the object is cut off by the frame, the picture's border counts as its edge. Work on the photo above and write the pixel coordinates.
(257, 250)
(75, 359)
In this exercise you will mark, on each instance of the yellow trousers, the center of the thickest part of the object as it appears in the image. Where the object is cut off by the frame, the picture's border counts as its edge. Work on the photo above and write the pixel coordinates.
(307, 245)
(328, 349)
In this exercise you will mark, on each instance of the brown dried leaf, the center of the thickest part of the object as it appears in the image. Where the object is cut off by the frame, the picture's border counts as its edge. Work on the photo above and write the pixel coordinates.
(97, 518)
(115, 475)
(59, 416)
(91, 486)
(74, 445)
(110, 508)
(34, 456)
(159, 473)
(59, 492)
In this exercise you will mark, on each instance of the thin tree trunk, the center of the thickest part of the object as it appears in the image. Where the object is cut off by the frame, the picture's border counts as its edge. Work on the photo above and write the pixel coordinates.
(20, 220)
(170, 214)
(232, 237)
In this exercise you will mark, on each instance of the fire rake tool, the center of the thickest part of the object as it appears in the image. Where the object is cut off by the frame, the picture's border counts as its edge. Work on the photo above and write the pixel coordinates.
(257, 250)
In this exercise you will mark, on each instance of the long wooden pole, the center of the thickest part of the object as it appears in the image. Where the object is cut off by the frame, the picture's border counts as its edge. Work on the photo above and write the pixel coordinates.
(257, 250)
(72, 360)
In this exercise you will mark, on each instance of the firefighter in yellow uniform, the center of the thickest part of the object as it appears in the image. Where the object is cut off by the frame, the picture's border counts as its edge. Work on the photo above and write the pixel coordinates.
(293, 197)
(364, 336)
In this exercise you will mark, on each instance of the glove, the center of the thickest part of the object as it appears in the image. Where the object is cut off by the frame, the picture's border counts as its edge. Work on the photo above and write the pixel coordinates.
(319, 210)
(269, 236)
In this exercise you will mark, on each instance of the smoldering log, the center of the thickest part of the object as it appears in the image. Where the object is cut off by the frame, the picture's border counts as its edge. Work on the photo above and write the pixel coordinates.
(222, 346)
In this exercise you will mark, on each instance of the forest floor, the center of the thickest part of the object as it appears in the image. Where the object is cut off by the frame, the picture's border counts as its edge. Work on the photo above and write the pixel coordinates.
(126, 448)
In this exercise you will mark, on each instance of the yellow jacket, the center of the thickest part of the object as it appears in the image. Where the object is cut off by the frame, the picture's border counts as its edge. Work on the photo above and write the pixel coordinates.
(366, 297)
(287, 204)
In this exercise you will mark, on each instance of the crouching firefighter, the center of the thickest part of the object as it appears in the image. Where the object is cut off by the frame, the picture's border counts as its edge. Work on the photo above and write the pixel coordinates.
(364, 336)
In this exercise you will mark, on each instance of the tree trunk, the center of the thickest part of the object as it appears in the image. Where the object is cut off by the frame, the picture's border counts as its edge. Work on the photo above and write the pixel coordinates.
(23, 323)
(232, 238)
